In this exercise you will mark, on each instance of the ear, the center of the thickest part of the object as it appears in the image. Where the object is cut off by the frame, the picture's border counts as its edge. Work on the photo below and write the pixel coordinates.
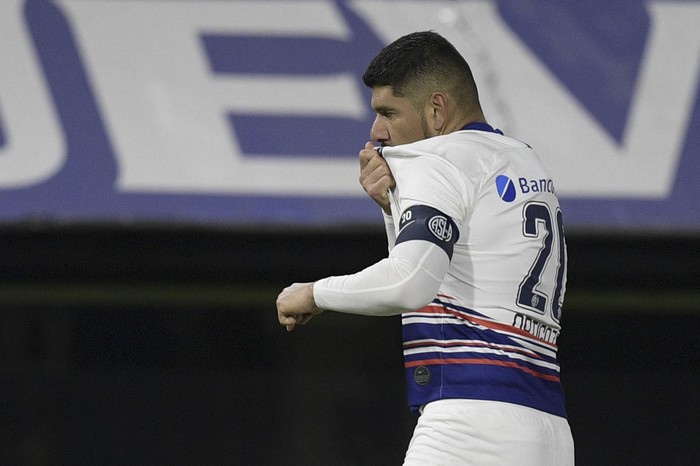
(438, 111)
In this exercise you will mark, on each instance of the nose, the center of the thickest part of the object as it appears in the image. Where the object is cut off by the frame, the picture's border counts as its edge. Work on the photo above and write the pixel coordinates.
(379, 131)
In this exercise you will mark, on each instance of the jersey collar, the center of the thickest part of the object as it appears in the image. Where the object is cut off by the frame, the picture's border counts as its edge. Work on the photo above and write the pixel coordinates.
(479, 126)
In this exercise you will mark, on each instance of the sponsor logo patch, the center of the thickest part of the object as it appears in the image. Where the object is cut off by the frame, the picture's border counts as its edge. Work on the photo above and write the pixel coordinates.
(505, 188)
(421, 375)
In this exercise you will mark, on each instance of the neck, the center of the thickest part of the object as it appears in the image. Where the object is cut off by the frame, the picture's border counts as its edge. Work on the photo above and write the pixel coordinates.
(460, 123)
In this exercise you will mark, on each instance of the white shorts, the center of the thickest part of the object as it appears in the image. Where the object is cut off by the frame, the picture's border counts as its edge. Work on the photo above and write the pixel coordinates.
(474, 432)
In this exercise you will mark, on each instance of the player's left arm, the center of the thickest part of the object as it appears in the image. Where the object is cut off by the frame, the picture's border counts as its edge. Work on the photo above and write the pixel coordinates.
(430, 209)
(412, 274)
(408, 279)
(296, 305)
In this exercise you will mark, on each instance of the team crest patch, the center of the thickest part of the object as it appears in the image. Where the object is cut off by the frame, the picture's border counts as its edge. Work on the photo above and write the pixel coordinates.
(440, 227)
(421, 375)
(422, 222)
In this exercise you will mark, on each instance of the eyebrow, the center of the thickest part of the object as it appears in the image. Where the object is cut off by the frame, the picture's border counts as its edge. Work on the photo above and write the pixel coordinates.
(383, 109)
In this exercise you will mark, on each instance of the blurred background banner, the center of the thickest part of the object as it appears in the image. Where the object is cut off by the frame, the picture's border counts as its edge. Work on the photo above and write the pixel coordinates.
(248, 113)
(167, 167)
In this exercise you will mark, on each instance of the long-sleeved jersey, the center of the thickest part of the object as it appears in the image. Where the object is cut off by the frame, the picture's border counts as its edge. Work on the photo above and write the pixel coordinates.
(476, 228)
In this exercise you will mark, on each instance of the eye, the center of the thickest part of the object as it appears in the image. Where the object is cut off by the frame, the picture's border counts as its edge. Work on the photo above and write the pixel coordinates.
(385, 112)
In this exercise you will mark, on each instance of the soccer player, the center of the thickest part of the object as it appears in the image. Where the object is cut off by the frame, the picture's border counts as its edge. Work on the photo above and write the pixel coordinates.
(476, 266)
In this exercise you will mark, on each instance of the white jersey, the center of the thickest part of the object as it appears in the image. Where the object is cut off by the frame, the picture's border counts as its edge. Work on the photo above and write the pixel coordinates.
(491, 331)
(509, 220)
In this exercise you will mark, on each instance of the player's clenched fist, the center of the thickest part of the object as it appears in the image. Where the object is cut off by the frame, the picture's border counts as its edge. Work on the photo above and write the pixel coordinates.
(296, 305)
(375, 176)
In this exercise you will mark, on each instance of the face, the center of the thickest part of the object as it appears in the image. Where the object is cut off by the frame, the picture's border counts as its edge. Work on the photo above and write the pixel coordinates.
(397, 121)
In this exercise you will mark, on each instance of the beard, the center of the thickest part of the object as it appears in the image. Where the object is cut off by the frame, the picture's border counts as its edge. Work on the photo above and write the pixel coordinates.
(424, 127)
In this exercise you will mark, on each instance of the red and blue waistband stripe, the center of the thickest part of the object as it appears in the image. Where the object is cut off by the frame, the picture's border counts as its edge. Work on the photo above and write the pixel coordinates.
(461, 353)
(473, 340)
(470, 319)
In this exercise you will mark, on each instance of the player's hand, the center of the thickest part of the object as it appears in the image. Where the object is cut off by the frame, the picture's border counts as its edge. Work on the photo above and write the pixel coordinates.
(376, 177)
(296, 305)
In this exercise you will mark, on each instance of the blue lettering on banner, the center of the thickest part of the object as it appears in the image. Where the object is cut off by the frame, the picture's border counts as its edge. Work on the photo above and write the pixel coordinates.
(287, 134)
(588, 75)
(86, 181)
(85, 161)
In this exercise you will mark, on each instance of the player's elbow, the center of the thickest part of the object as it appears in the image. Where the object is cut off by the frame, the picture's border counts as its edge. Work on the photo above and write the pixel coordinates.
(416, 299)
(419, 281)
(415, 293)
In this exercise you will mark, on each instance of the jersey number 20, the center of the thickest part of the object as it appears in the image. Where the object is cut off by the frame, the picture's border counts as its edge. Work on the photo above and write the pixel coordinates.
(531, 296)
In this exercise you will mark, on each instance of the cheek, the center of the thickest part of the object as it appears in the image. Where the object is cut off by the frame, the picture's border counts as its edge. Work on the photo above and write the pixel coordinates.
(411, 131)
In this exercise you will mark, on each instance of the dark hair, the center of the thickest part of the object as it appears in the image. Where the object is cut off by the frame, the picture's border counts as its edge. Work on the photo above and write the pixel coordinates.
(422, 63)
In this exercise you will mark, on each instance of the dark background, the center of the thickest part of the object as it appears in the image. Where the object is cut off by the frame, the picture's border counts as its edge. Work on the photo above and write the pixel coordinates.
(153, 344)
